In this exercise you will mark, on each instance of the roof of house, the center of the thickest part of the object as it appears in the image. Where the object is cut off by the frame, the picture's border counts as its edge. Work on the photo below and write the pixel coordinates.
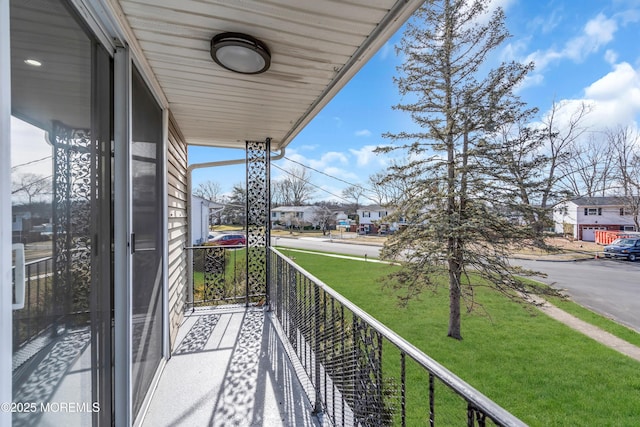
(295, 209)
(209, 203)
(373, 208)
(599, 201)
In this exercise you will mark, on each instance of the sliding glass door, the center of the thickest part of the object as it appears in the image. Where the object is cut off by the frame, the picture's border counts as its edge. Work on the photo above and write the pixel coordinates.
(61, 218)
(146, 239)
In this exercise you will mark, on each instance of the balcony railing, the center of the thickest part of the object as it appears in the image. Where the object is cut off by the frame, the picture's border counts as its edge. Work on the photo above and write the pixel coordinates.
(364, 374)
(33, 324)
(38, 312)
(218, 276)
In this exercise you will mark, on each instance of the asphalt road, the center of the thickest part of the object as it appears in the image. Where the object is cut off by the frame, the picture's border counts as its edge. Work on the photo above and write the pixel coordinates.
(325, 245)
(606, 286)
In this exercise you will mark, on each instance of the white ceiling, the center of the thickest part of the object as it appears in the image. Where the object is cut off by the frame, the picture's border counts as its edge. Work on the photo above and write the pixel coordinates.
(316, 47)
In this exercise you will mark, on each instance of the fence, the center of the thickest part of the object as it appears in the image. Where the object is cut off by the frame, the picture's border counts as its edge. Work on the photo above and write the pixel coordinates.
(363, 373)
(605, 237)
(38, 312)
(219, 276)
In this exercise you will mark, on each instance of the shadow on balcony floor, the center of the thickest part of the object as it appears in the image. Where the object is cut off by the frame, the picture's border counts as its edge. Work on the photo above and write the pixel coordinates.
(229, 369)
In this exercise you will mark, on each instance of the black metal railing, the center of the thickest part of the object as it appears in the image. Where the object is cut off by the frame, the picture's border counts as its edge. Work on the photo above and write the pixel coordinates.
(219, 276)
(38, 314)
(364, 374)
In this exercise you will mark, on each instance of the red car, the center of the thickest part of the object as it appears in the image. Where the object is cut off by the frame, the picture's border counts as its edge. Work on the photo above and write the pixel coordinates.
(229, 240)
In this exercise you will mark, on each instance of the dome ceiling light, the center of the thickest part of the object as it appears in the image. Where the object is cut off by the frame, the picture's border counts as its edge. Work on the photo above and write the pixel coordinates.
(240, 53)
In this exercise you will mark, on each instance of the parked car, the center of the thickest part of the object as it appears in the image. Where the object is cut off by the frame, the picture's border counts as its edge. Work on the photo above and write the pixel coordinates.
(228, 240)
(626, 247)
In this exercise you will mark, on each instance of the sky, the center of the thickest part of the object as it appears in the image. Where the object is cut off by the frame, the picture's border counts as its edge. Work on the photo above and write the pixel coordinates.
(583, 50)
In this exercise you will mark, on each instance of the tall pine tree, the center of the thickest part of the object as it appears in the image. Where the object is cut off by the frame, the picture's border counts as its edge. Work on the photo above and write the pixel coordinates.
(459, 215)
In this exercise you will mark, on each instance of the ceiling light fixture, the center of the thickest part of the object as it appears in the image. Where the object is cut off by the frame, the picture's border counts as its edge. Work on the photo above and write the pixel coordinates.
(33, 62)
(240, 53)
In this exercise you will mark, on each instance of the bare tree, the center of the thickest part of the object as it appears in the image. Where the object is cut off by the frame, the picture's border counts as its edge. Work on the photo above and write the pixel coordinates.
(387, 189)
(295, 188)
(536, 161)
(323, 217)
(278, 193)
(561, 137)
(354, 193)
(209, 190)
(590, 171)
(626, 145)
(32, 185)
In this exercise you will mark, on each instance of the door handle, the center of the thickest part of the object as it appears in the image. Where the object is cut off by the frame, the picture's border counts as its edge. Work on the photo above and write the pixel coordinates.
(19, 279)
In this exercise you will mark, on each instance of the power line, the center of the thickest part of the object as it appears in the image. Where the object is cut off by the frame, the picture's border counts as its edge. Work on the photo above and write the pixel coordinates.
(310, 183)
(29, 163)
(325, 174)
(365, 190)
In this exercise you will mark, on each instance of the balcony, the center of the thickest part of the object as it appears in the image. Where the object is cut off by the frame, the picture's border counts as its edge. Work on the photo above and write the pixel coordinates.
(304, 356)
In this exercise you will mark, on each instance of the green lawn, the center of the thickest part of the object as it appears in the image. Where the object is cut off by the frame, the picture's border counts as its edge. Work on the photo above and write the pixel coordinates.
(535, 367)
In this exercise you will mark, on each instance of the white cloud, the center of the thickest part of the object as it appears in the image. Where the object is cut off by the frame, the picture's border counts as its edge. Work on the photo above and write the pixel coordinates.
(363, 132)
(531, 80)
(611, 56)
(597, 33)
(549, 22)
(614, 84)
(513, 51)
(629, 16)
(616, 96)
(365, 155)
(342, 174)
(32, 145)
(386, 49)
(328, 158)
(614, 100)
(493, 5)
(329, 161)
(308, 147)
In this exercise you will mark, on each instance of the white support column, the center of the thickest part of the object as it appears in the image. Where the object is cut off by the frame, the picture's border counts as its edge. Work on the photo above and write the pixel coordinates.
(6, 295)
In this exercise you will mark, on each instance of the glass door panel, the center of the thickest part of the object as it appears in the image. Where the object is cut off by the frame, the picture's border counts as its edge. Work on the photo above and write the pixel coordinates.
(60, 171)
(147, 203)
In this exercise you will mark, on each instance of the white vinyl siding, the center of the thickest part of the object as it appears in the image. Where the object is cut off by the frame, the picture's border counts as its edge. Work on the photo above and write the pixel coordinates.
(177, 223)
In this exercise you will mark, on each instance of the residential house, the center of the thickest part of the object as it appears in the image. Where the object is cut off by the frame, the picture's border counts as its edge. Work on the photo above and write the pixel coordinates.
(373, 220)
(297, 216)
(580, 218)
(115, 92)
(201, 214)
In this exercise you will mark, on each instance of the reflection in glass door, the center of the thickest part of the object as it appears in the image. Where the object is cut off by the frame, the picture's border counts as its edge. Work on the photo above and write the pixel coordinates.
(61, 209)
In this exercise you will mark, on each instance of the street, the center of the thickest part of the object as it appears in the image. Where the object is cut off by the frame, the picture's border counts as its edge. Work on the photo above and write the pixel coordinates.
(325, 245)
(606, 286)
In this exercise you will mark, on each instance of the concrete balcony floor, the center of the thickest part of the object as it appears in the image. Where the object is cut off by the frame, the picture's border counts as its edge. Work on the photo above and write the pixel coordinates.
(230, 368)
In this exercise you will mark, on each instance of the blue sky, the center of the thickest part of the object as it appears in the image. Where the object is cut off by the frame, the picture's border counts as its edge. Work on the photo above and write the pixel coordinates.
(584, 51)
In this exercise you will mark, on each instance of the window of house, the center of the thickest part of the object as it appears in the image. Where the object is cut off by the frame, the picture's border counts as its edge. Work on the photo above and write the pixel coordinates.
(366, 214)
(592, 211)
(625, 211)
